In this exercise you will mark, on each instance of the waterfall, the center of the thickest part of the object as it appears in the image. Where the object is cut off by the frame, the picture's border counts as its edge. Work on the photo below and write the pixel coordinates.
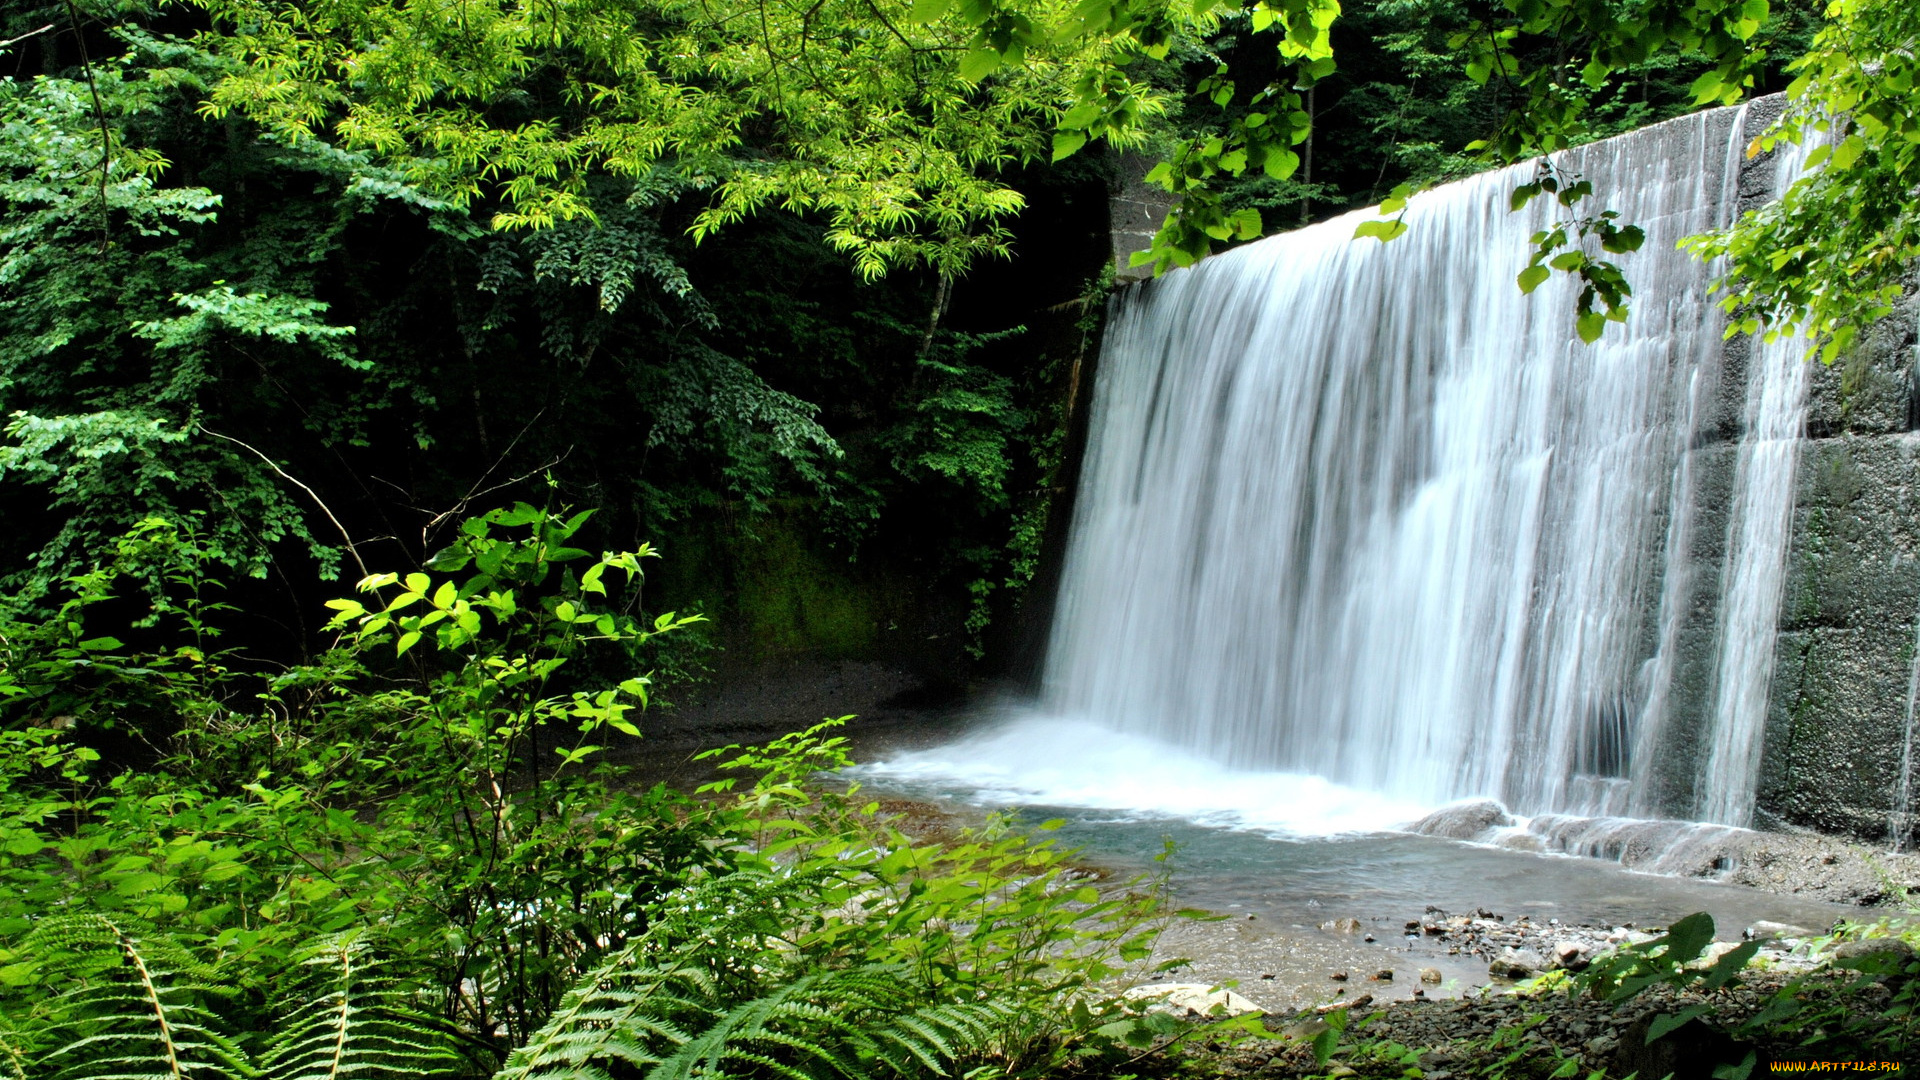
(1760, 530)
(1368, 512)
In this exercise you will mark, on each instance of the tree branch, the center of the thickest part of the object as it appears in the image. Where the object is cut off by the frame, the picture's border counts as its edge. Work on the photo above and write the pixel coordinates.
(99, 114)
(318, 501)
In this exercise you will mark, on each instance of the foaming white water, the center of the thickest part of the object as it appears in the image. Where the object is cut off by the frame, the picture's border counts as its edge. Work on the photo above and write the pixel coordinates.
(1758, 536)
(1680, 848)
(1366, 512)
(1062, 762)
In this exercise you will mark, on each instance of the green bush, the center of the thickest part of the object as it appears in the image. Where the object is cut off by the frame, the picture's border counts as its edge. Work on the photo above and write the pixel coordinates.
(407, 858)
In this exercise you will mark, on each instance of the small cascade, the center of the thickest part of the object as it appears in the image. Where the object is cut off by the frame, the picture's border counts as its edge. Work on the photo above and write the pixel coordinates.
(1774, 425)
(1679, 848)
(1368, 513)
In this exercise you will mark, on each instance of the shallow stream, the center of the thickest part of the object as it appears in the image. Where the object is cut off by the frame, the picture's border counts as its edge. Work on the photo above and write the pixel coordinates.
(1284, 854)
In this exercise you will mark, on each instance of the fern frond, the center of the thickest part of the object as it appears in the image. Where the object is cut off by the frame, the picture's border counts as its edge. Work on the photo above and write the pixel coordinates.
(346, 1016)
(669, 984)
(16, 1044)
(127, 1005)
(713, 991)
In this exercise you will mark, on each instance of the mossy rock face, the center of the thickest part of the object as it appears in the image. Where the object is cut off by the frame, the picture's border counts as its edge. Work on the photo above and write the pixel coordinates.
(789, 600)
(1837, 737)
(779, 593)
(1834, 733)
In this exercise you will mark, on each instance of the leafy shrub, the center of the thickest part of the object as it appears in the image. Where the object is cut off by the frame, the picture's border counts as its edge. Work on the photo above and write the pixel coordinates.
(406, 859)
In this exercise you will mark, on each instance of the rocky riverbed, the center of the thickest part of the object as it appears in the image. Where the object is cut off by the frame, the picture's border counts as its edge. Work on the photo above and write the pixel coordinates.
(1426, 1025)
(1430, 956)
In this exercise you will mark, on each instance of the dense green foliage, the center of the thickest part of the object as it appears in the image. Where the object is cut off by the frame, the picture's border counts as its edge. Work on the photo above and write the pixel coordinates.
(630, 248)
(1829, 257)
(411, 854)
(307, 352)
(291, 290)
(839, 109)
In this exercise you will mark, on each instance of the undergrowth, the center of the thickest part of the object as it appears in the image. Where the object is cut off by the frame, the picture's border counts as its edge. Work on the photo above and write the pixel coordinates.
(410, 858)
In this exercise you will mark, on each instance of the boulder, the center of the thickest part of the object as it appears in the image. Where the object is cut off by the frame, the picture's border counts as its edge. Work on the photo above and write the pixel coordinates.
(1514, 963)
(1571, 956)
(1464, 821)
(1197, 1001)
(1885, 954)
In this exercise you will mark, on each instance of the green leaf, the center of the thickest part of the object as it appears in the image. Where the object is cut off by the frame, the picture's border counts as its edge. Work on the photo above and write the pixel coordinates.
(979, 64)
(1627, 238)
(1848, 151)
(1065, 143)
(1589, 325)
(1729, 965)
(1708, 87)
(1532, 276)
(925, 11)
(1662, 1025)
(1686, 938)
(1384, 230)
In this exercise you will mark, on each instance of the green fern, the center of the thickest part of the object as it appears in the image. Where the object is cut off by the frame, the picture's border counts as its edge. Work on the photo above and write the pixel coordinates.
(14, 1049)
(127, 1005)
(347, 1017)
(855, 1023)
(711, 992)
(647, 1000)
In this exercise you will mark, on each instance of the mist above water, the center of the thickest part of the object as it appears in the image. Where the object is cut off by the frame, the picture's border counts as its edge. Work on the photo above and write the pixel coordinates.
(1059, 762)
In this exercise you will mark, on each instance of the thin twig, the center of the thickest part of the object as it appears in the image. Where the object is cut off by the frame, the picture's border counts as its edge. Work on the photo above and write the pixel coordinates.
(318, 501)
(11, 42)
(99, 114)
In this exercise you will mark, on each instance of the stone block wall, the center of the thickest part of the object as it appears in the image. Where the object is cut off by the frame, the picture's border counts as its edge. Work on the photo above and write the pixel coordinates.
(1840, 751)
(1135, 211)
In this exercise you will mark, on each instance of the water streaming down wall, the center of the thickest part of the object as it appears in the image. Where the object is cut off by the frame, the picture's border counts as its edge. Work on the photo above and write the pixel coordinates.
(1367, 511)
